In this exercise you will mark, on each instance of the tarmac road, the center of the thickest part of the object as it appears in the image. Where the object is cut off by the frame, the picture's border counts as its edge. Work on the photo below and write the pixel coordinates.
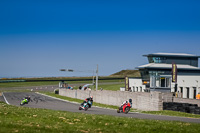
(46, 102)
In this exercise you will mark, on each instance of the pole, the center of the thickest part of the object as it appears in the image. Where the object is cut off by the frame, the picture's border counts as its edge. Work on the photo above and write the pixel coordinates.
(93, 80)
(97, 78)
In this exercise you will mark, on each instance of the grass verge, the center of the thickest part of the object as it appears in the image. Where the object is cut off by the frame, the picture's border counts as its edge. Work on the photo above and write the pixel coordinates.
(172, 113)
(23, 119)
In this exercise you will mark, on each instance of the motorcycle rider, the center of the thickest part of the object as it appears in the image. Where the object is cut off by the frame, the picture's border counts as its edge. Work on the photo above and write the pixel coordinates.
(126, 102)
(28, 98)
(88, 100)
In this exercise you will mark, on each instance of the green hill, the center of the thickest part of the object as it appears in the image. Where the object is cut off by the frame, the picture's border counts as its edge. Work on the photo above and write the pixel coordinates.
(130, 73)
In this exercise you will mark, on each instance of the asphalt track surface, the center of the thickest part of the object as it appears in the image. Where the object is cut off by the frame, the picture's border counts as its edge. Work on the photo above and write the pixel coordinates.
(46, 102)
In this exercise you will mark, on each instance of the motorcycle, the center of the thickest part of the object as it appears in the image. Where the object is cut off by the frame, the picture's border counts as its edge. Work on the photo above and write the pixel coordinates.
(89, 104)
(84, 106)
(24, 101)
(125, 109)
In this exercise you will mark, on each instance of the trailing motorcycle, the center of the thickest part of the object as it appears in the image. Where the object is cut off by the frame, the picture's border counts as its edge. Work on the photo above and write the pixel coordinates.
(24, 101)
(124, 109)
(85, 105)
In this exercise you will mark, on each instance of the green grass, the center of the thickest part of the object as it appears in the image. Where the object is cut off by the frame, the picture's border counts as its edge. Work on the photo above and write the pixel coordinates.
(130, 73)
(172, 113)
(27, 84)
(112, 87)
(23, 119)
(43, 83)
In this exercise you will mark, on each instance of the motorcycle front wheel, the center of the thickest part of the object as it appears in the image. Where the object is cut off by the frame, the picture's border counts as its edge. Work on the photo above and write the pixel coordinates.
(127, 109)
(86, 108)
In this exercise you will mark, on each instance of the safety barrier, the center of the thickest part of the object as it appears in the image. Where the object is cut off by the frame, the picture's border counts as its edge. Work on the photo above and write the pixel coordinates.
(141, 100)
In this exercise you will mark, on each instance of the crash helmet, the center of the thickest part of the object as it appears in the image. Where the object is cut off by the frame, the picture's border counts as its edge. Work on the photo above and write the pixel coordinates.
(91, 97)
(130, 100)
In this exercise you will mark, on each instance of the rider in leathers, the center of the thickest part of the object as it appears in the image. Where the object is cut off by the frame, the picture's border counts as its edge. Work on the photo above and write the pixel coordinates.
(87, 100)
(126, 102)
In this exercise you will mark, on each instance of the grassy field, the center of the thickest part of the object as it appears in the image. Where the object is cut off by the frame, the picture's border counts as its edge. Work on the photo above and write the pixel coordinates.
(22, 119)
(112, 87)
(43, 83)
(130, 73)
(115, 86)
(27, 84)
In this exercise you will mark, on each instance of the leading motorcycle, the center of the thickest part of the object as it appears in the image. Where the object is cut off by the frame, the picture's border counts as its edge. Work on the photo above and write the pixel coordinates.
(124, 109)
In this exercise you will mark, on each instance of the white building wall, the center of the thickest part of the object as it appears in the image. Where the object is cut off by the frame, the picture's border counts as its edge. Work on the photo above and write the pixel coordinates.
(185, 82)
(191, 82)
(136, 85)
(191, 94)
(188, 82)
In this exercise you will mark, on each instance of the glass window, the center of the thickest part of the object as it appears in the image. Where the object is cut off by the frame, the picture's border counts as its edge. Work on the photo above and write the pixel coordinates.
(157, 59)
(150, 60)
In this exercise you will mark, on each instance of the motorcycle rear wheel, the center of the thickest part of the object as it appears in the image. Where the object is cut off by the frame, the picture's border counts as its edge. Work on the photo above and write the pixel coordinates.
(118, 111)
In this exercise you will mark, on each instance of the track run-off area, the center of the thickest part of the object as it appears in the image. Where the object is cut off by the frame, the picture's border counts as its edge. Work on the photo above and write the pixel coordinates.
(47, 102)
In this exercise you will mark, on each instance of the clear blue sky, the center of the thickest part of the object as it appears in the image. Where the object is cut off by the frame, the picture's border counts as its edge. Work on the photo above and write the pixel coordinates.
(39, 37)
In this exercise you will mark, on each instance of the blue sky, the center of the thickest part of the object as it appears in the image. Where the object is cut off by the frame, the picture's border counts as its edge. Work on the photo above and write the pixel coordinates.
(38, 37)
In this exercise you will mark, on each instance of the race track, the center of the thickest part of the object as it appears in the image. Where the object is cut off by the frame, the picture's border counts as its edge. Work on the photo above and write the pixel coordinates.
(46, 102)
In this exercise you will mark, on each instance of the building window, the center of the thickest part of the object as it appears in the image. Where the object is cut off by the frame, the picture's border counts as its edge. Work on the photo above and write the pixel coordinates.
(160, 81)
(157, 59)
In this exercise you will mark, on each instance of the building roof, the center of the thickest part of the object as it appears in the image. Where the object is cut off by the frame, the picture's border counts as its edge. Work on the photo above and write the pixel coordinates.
(167, 66)
(172, 54)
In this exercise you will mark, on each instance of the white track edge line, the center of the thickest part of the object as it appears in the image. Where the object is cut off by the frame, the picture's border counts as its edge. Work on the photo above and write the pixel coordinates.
(5, 99)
